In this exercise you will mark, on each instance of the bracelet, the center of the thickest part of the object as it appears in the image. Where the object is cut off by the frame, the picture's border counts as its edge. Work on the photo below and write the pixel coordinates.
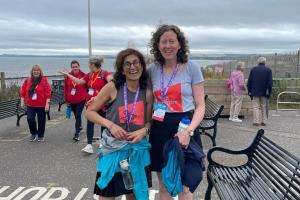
(191, 133)
(147, 130)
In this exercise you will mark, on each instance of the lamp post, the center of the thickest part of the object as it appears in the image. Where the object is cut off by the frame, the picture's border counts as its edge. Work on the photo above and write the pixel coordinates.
(89, 28)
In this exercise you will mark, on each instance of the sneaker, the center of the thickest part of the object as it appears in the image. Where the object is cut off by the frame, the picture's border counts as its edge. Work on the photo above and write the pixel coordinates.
(88, 149)
(41, 139)
(263, 124)
(230, 118)
(256, 124)
(76, 138)
(33, 138)
(236, 120)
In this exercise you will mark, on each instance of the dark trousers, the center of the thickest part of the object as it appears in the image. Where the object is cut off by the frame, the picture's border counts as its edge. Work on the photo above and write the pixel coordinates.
(77, 110)
(90, 129)
(32, 112)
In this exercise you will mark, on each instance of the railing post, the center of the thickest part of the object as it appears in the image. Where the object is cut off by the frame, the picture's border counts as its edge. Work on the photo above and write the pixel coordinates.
(298, 63)
(275, 65)
(2, 81)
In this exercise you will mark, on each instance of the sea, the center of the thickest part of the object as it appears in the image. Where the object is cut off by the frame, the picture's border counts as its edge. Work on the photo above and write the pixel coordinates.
(20, 66)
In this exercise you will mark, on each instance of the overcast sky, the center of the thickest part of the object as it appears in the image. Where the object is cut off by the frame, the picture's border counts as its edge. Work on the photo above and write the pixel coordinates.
(213, 26)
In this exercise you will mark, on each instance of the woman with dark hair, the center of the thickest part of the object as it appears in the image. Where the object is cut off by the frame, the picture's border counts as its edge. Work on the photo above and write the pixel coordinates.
(35, 94)
(95, 81)
(75, 96)
(177, 85)
(127, 123)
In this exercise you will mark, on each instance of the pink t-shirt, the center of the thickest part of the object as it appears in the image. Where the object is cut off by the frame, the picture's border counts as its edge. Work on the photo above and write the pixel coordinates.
(238, 82)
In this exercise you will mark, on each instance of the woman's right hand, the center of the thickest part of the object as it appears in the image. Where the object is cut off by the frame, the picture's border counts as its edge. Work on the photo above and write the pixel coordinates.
(64, 72)
(118, 132)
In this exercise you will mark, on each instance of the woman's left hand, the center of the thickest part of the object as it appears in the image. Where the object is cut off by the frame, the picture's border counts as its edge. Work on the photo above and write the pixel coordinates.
(47, 107)
(184, 138)
(136, 136)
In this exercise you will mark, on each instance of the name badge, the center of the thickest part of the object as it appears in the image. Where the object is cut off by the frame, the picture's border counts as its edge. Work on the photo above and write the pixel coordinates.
(73, 91)
(91, 91)
(159, 111)
(34, 96)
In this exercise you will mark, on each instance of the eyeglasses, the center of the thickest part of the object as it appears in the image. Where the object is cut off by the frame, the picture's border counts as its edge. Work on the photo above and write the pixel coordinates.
(135, 63)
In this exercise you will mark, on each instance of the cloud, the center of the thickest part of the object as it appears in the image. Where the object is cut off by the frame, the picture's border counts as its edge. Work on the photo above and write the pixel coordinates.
(211, 26)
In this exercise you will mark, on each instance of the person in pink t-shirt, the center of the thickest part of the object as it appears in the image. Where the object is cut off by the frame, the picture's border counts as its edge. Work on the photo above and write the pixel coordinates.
(237, 81)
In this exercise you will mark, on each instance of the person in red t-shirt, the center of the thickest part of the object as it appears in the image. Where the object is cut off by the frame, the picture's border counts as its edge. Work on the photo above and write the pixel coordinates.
(75, 95)
(95, 81)
(35, 94)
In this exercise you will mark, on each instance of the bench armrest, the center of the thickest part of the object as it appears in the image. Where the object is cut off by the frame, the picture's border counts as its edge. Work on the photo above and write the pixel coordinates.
(247, 151)
(221, 149)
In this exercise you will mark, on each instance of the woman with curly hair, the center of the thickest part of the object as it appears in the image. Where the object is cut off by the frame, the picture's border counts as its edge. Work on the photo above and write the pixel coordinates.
(129, 109)
(178, 90)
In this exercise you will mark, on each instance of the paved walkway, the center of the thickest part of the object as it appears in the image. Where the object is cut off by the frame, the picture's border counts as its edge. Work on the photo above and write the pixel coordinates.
(57, 168)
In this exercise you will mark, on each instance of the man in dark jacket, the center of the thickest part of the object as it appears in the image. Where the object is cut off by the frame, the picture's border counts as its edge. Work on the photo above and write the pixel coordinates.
(259, 89)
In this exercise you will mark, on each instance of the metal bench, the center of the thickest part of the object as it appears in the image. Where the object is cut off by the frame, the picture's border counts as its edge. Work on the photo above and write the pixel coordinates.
(269, 173)
(211, 116)
(57, 97)
(11, 108)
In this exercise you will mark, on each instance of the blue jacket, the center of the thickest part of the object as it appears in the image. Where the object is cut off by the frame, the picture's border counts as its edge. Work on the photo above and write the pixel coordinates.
(139, 158)
(182, 166)
(260, 81)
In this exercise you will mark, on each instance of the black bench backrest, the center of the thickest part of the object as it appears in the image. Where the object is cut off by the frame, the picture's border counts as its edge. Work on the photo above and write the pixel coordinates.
(212, 109)
(57, 95)
(278, 168)
(8, 108)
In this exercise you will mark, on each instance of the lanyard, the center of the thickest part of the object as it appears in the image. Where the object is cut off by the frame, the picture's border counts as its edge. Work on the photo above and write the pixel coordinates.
(74, 84)
(164, 90)
(94, 78)
(128, 115)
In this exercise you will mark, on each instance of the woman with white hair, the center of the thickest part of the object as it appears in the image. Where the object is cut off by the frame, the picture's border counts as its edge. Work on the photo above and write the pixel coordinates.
(237, 83)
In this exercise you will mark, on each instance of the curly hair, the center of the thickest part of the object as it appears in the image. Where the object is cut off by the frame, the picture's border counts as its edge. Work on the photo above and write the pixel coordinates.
(119, 77)
(183, 52)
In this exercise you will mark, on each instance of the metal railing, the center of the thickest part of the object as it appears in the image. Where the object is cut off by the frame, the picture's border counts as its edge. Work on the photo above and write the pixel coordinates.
(287, 102)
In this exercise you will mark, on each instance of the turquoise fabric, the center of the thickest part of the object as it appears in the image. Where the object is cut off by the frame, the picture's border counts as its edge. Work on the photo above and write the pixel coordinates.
(171, 174)
(138, 156)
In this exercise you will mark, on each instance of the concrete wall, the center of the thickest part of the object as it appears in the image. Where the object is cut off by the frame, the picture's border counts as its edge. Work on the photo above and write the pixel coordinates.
(217, 91)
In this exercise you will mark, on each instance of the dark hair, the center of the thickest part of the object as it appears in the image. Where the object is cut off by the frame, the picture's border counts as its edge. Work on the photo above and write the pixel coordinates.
(119, 77)
(183, 52)
(75, 62)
